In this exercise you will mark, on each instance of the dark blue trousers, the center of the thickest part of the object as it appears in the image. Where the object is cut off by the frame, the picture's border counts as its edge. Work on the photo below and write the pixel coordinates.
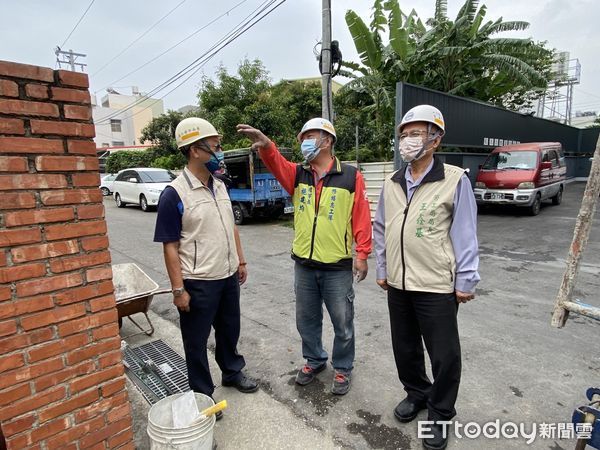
(214, 303)
(417, 317)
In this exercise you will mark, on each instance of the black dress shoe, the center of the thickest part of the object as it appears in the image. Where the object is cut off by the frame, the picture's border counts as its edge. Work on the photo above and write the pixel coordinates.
(438, 439)
(243, 384)
(407, 410)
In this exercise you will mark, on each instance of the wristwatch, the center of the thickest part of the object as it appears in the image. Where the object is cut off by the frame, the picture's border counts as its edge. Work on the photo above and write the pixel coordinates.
(178, 291)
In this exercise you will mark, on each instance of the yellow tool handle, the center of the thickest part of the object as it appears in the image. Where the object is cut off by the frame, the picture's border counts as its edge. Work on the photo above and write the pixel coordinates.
(214, 409)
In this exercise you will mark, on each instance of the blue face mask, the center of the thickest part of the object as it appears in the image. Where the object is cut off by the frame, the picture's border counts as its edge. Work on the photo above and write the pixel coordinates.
(215, 162)
(309, 149)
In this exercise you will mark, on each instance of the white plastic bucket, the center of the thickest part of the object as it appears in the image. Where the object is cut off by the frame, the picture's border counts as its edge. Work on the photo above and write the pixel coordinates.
(163, 436)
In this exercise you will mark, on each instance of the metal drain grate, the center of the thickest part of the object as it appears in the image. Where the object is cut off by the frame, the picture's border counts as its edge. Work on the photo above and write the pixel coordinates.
(156, 369)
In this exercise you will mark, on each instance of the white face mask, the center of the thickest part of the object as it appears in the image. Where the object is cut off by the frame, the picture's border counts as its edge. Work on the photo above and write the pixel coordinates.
(412, 148)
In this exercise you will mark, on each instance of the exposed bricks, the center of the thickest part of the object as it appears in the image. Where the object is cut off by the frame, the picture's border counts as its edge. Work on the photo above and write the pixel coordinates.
(30, 145)
(11, 126)
(61, 440)
(13, 163)
(76, 401)
(32, 403)
(87, 322)
(78, 112)
(30, 372)
(32, 181)
(39, 91)
(23, 340)
(90, 212)
(71, 196)
(65, 163)
(22, 272)
(55, 315)
(79, 355)
(81, 147)
(19, 237)
(62, 128)
(48, 284)
(84, 293)
(12, 427)
(94, 379)
(17, 219)
(44, 251)
(28, 108)
(75, 262)
(66, 374)
(54, 348)
(62, 383)
(76, 79)
(9, 88)
(70, 95)
(100, 303)
(14, 393)
(10, 362)
(112, 387)
(16, 70)
(8, 327)
(72, 230)
(26, 306)
(105, 332)
(86, 179)
(17, 200)
(97, 274)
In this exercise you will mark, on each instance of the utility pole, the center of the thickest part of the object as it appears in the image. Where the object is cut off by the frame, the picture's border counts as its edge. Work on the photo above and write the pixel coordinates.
(326, 66)
(356, 143)
(69, 58)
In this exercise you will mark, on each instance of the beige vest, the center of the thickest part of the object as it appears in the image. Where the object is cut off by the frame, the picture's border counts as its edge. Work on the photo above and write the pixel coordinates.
(207, 248)
(419, 253)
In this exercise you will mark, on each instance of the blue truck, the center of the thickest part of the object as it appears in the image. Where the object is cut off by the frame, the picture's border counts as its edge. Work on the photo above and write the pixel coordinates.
(253, 190)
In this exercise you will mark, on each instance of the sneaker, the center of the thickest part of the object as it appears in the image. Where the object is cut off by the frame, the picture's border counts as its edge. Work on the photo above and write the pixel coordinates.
(307, 374)
(341, 383)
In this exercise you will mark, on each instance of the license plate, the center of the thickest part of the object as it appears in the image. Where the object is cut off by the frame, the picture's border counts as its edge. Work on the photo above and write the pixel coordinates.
(497, 196)
(288, 210)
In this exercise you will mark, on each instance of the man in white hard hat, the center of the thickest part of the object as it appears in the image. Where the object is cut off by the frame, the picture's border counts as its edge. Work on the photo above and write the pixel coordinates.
(330, 211)
(425, 233)
(204, 258)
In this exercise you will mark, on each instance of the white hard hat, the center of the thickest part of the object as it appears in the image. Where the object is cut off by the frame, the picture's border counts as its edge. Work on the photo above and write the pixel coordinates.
(424, 113)
(318, 123)
(193, 129)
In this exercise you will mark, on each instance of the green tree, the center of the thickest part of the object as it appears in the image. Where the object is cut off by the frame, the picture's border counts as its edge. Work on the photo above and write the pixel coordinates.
(160, 132)
(463, 57)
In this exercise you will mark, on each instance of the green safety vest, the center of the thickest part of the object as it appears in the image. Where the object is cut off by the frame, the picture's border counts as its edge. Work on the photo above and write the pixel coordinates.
(323, 232)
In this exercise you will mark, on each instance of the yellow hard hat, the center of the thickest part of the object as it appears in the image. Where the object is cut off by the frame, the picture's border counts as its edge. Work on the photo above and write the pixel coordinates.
(193, 129)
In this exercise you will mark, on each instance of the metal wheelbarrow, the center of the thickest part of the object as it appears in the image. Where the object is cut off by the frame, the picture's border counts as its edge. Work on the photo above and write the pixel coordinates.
(134, 291)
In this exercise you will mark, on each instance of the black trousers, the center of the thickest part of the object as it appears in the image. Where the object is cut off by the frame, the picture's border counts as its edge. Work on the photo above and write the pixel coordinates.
(214, 303)
(430, 317)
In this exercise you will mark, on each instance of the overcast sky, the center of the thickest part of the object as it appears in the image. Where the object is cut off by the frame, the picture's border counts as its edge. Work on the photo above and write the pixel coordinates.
(284, 41)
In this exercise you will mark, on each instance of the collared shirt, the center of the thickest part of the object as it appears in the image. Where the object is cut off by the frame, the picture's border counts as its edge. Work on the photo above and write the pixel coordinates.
(462, 230)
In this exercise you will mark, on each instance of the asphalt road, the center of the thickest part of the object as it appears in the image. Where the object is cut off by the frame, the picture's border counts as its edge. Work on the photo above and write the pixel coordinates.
(516, 367)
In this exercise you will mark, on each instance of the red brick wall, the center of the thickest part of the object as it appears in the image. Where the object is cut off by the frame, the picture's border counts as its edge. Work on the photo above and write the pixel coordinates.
(62, 383)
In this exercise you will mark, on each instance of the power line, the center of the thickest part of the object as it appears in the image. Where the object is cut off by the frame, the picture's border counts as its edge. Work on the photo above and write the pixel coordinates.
(78, 22)
(192, 68)
(138, 38)
(174, 46)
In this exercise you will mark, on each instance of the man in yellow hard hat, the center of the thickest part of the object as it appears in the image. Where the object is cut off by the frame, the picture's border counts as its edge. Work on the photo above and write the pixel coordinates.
(425, 232)
(204, 258)
(331, 211)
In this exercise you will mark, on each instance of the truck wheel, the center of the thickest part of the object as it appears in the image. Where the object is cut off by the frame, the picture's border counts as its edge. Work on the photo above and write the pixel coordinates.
(238, 214)
(534, 209)
(557, 199)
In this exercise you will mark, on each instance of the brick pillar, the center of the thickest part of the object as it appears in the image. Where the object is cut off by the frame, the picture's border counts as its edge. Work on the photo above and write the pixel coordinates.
(62, 383)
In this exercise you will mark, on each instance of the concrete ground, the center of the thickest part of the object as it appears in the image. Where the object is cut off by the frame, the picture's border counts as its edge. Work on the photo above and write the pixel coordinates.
(516, 367)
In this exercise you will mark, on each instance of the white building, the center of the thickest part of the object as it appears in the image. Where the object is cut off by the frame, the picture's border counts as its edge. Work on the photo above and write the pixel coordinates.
(120, 124)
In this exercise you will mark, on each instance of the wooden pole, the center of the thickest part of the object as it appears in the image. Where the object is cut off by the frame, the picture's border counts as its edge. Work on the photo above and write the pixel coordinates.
(580, 239)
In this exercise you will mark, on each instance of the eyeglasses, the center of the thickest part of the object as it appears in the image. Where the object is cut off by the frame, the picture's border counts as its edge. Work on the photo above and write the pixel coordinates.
(413, 134)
